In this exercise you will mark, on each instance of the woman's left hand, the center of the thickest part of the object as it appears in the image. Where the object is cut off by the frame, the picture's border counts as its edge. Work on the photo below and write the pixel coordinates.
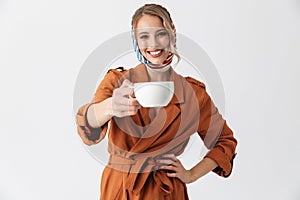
(170, 162)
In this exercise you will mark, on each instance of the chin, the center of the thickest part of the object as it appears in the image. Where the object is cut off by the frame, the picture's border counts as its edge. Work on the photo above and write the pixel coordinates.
(155, 62)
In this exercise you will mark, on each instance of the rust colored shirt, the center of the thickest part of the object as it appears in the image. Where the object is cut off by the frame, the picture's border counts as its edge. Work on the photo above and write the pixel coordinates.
(135, 142)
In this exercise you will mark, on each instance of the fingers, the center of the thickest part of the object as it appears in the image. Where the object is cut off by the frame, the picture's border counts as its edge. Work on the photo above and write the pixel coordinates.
(126, 83)
(170, 156)
(169, 160)
(170, 167)
(122, 102)
(124, 113)
(125, 90)
(174, 168)
(172, 175)
(120, 106)
(124, 107)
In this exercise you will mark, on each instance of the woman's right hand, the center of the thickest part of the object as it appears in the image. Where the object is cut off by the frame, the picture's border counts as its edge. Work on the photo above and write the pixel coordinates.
(122, 103)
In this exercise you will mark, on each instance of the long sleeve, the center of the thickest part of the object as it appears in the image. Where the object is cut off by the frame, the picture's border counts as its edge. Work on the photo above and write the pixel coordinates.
(216, 135)
(105, 89)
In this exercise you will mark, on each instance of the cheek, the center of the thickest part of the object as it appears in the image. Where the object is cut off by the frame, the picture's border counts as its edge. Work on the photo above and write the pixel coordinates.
(164, 42)
(142, 45)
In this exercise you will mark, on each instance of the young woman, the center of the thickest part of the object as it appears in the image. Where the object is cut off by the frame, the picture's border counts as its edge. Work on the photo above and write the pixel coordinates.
(144, 142)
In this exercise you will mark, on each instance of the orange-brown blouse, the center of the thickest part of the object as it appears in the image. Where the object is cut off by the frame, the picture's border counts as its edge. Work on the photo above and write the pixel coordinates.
(135, 142)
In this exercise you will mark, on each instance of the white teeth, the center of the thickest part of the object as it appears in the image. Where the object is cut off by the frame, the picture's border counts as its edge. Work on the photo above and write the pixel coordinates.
(154, 52)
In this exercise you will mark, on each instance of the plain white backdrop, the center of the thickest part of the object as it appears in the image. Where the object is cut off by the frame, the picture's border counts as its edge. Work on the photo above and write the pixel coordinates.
(255, 46)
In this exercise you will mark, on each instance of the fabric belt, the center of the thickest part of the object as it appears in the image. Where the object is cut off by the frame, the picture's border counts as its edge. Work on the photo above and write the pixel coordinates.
(137, 170)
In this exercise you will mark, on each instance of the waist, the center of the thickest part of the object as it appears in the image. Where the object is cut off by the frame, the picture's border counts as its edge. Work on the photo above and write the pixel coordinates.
(137, 169)
(134, 164)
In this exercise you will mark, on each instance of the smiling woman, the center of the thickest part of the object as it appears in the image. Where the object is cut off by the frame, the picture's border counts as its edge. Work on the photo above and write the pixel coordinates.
(155, 33)
(144, 142)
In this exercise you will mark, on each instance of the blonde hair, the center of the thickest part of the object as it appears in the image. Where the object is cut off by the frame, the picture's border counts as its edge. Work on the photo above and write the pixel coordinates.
(162, 13)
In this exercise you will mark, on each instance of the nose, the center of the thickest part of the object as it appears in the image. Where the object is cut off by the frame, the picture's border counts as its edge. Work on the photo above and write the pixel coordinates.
(152, 43)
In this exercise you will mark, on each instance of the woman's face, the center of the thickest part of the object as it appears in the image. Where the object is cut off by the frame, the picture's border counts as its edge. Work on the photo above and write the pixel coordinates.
(152, 38)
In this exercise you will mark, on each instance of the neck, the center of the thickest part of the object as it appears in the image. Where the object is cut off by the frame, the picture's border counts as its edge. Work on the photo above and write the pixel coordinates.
(159, 75)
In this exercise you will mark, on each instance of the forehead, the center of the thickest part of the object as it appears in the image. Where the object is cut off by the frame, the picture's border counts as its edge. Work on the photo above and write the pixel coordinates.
(148, 21)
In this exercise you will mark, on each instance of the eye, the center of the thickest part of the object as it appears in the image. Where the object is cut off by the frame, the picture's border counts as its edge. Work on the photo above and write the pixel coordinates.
(143, 37)
(162, 33)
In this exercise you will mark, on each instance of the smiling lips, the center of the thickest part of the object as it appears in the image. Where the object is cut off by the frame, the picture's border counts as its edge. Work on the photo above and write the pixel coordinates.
(155, 53)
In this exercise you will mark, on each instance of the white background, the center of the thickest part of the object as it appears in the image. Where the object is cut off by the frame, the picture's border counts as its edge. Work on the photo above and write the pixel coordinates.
(254, 44)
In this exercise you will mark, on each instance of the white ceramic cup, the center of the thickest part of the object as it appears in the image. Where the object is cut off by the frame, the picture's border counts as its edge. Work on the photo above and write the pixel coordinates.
(154, 94)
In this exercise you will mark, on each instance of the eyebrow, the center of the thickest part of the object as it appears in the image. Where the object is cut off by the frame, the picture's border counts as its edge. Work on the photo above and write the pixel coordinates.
(163, 29)
(145, 32)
